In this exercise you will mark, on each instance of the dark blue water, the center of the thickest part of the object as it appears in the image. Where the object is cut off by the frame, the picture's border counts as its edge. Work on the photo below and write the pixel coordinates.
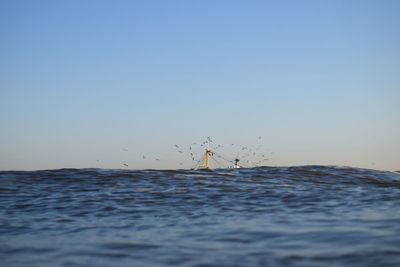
(297, 216)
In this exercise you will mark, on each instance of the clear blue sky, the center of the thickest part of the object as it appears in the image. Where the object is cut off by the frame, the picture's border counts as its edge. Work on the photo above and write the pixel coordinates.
(101, 83)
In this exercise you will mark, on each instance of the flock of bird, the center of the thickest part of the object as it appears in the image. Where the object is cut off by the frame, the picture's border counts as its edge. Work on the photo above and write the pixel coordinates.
(248, 156)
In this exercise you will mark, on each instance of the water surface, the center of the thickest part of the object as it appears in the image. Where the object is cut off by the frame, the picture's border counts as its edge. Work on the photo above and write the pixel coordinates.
(268, 216)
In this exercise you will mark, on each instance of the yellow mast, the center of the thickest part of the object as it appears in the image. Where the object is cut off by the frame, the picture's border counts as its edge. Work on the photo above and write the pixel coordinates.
(207, 153)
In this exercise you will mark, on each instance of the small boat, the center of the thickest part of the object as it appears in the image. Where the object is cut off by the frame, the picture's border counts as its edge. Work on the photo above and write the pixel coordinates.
(203, 163)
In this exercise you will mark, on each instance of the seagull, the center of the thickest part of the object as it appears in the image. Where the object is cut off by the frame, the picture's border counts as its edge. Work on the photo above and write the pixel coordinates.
(176, 146)
(126, 165)
(144, 156)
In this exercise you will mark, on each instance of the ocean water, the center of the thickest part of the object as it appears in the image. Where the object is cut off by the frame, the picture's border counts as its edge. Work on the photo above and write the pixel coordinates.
(266, 216)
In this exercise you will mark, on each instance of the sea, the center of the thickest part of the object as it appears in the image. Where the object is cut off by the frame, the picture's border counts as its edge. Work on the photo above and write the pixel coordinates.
(264, 216)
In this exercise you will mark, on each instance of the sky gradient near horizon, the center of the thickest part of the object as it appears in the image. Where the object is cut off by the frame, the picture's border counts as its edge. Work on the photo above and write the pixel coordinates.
(102, 83)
